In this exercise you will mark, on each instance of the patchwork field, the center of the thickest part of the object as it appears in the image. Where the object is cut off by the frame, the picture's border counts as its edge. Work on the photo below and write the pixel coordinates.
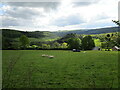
(85, 69)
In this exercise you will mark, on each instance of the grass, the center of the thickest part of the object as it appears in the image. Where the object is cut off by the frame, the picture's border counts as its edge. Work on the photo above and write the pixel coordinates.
(89, 69)
(40, 39)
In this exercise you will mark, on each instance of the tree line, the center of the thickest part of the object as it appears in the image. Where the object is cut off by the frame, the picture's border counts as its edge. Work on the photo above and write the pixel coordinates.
(69, 41)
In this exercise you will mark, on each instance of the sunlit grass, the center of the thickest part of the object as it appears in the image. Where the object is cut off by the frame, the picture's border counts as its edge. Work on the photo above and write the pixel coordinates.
(86, 69)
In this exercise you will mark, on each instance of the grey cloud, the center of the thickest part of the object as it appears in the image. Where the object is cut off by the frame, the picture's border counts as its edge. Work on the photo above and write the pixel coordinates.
(6, 22)
(70, 20)
(85, 3)
(82, 3)
(101, 16)
(45, 5)
(10, 21)
(24, 13)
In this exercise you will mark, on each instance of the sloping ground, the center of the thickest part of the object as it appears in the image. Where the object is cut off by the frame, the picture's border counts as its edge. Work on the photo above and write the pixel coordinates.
(9, 33)
(89, 31)
(38, 34)
(86, 69)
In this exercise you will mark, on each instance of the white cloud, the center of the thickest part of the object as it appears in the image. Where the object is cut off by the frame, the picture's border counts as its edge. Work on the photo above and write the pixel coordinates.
(60, 16)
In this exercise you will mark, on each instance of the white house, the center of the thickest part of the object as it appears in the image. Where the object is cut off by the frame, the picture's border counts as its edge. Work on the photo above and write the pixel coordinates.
(115, 48)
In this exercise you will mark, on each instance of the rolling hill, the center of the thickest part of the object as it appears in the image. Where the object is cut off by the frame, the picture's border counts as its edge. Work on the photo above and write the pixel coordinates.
(41, 34)
(89, 31)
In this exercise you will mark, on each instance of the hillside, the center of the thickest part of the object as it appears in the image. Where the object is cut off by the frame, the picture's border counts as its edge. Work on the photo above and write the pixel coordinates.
(42, 34)
(89, 31)
(31, 34)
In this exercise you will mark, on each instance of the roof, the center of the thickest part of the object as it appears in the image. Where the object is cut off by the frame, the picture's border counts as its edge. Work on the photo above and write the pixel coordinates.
(116, 47)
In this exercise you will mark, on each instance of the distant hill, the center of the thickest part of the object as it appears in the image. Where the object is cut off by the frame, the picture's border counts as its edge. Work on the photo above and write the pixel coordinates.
(89, 31)
(41, 34)
(9, 33)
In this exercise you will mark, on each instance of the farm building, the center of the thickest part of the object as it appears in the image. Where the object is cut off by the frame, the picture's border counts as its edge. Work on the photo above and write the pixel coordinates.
(96, 48)
(115, 48)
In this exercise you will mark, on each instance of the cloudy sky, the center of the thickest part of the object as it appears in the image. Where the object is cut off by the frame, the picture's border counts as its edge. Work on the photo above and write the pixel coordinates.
(62, 15)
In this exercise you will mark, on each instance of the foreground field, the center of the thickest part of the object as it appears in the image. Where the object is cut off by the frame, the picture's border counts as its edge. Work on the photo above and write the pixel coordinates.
(89, 69)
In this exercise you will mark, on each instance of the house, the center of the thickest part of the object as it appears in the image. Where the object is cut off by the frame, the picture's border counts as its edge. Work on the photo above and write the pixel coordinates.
(96, 48)
(115, 48)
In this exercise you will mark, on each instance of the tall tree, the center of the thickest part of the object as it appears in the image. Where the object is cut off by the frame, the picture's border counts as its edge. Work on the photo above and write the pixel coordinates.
(74, 43)
(87, 43)
(6, 43)
(108, 39)
(24, 41)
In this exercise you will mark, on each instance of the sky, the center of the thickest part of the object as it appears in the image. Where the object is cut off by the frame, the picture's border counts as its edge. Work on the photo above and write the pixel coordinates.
(62, 15)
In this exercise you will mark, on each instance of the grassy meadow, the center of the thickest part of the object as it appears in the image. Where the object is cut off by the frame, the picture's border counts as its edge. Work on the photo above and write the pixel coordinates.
(85, 69)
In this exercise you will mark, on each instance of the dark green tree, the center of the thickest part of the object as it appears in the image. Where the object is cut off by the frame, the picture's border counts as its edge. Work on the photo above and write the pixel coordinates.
(111, 40)
(118, 36)
(6, 43)
(24, 41)
(88, 43)
(74, 43)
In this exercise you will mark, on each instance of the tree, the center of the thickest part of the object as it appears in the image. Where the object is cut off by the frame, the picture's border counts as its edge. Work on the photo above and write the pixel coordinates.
(118, 37)
(6, 43)
(24, 41)
(74, 43)
(108, 39)
(87, 43)
(64, 45)
(115, 39)
(56, 45)
(45, 46)
(111, 40)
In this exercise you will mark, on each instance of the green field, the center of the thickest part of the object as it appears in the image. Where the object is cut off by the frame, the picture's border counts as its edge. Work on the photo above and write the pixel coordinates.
(85, 69)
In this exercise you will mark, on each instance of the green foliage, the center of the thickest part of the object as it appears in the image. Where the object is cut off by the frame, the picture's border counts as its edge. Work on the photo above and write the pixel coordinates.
(15, 45)
(45, 46)
(71, 35)
(6, 43)
(24, 41)
(35, 34)
(110, 40)
(34, 46)
(64, 45)
(104, 45)
(11, 33)
(87, 43)
(74, 43)
(11, 38)
(97, 42)
(0, 39)
(87, 31)
(56, 45)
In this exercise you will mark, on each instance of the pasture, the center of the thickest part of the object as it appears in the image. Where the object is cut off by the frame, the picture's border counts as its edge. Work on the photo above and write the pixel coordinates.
(85, 69)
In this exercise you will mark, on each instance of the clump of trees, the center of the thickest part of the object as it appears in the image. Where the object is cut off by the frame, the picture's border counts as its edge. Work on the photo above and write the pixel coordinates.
(6, 43)
(88, 43)
(70, 41)
(74, 43)
(24, 41)
(107, 42)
